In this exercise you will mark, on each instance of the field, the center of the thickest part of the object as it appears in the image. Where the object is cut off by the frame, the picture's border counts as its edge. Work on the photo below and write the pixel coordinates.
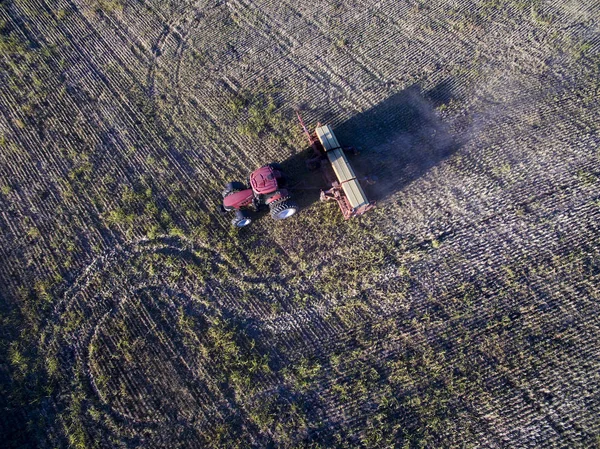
(464, 311)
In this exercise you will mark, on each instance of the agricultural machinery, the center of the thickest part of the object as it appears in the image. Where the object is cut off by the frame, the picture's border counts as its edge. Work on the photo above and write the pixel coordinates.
(267, 184)
(267, 187)
(330, 157)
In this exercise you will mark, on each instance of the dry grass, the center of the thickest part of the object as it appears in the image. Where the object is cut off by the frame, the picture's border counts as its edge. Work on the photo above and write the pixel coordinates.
(462, 312)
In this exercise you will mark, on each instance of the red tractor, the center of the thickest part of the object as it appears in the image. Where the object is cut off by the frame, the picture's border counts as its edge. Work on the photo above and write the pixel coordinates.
(266, 188)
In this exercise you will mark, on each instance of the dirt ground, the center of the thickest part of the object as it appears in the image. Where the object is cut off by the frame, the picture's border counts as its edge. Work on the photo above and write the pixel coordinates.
(462, 312)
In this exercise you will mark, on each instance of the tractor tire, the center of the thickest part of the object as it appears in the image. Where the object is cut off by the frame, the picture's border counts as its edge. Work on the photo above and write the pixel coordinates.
(282, 209)
(242, 218)
(232, 187)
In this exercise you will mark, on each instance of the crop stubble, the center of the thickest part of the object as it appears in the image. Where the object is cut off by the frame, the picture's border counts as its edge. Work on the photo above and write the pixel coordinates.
(463, 311)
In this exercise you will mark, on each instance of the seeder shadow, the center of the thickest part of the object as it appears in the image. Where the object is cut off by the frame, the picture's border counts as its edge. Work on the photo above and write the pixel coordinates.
(398, 141)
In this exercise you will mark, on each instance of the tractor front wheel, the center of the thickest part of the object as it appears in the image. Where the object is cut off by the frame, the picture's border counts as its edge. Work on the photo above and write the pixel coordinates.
(242, 218)
(280, 210)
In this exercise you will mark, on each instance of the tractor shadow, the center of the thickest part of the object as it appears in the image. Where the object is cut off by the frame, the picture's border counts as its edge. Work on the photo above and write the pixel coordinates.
(398, 141)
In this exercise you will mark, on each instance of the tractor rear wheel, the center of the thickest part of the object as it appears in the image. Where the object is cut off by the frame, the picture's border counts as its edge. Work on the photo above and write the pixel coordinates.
(282, 209)
(242, 218)
(232, 187)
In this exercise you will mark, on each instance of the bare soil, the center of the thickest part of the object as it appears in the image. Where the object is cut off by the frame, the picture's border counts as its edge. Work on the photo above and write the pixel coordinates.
(462, 312)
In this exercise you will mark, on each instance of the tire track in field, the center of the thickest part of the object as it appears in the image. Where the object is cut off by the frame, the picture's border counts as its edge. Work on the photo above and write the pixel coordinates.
(315, 333)
(578, 202)
(322, 329)
(131, 352)
(114, 86)
(217, 110)
(179, 28)
(121, 301)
